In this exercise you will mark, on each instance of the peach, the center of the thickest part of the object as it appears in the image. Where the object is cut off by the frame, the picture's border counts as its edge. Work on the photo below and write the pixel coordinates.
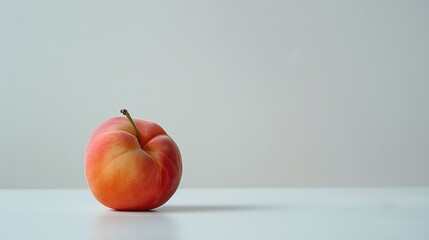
(132, 164)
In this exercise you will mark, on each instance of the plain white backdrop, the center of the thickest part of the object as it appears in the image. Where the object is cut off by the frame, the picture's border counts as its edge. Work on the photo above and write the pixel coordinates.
(255, 93)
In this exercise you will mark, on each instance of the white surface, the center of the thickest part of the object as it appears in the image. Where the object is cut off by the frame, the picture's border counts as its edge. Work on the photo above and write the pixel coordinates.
(311, 93)
(285, 214)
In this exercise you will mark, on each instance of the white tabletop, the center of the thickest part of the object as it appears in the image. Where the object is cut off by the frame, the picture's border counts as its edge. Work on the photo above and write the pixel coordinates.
(391, 213)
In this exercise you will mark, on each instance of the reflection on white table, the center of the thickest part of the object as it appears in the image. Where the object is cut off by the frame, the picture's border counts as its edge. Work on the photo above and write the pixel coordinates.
(383, 213)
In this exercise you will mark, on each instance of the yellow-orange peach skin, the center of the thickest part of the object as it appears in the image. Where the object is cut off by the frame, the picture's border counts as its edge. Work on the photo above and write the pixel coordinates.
(126, 173)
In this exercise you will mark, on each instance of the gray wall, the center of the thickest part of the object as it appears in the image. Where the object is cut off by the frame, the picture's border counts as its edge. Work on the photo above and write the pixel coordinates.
(255, 93)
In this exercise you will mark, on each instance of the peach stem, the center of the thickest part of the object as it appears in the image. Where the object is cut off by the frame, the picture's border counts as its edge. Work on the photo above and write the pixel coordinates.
(127, 114)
